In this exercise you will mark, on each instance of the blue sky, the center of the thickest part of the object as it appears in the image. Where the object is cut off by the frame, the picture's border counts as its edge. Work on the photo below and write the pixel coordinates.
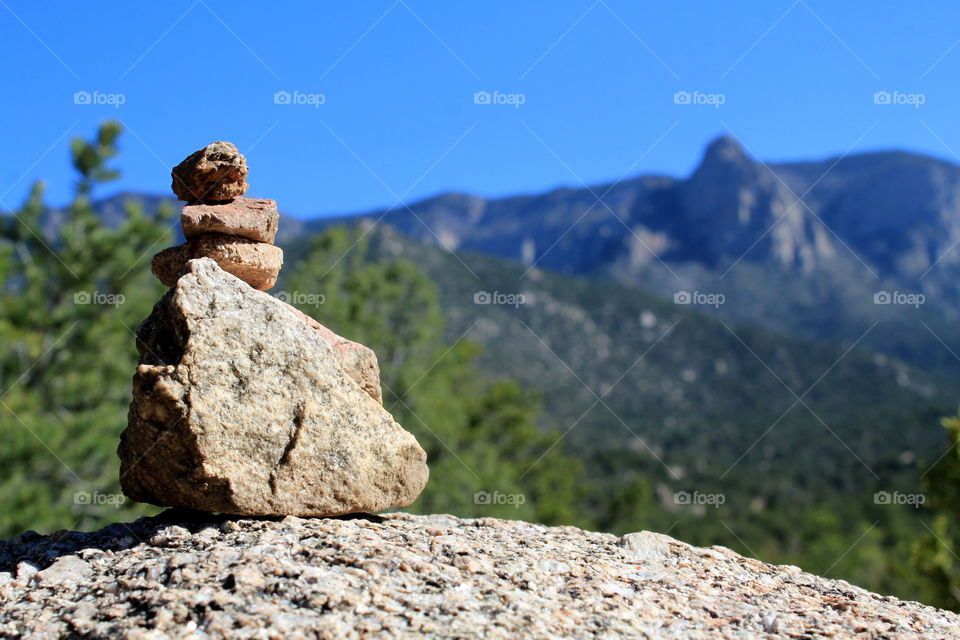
(382, 104)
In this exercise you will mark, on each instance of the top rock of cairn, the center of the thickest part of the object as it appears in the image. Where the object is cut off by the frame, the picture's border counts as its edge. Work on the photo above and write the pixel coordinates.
(215, 173)
(218, 223)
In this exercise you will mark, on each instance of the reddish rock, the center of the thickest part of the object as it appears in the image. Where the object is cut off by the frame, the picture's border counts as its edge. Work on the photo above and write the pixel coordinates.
(246, 217)
(256, 263)
(170, 264)
(215, 173)
(357, 360)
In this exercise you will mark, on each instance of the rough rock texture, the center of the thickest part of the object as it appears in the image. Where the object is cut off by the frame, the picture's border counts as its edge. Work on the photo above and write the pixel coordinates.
(171, 263)
(239, 406)
(256, 263)
(212, 174)
(246, 217)
(357, 360)
(403, 576)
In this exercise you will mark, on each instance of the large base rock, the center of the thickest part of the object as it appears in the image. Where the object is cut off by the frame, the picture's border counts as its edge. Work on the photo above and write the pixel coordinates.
(239, 406)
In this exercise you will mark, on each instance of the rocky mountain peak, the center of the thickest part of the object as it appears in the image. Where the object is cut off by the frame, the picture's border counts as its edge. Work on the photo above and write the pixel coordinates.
(724, 152)
(731, 200)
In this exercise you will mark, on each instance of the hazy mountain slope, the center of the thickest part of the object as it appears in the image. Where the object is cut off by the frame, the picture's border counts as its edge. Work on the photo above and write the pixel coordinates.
(810, 268)
(896, 211)
(680, 389)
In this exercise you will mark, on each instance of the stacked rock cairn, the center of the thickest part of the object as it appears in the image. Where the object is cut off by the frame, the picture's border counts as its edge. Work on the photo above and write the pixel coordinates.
(219, 223)
(241, 403)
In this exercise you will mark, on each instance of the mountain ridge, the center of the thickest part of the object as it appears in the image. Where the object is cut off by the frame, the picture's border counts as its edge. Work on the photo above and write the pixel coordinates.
(866, 225)
(724, 161)
(881, 221)
(635, 200)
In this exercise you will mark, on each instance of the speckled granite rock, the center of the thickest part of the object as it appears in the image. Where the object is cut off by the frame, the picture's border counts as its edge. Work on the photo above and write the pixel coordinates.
(359, 361)
(239, 406)
(402, 576)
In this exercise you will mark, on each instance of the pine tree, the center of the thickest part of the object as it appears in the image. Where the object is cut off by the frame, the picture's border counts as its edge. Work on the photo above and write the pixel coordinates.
(72, 290)
(934, 556)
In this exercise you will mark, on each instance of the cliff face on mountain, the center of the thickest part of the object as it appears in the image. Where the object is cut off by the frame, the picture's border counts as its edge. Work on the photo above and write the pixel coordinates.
(888, 215)
(191, 575)
(896, 212)
(798, 248)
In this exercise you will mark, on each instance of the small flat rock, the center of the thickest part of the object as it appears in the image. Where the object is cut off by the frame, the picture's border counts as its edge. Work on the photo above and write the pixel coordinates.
(256, 263)
(650, 547)
(25, 571)
(249, 218)
(64, 569)
(239, 406)
(215, 173)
